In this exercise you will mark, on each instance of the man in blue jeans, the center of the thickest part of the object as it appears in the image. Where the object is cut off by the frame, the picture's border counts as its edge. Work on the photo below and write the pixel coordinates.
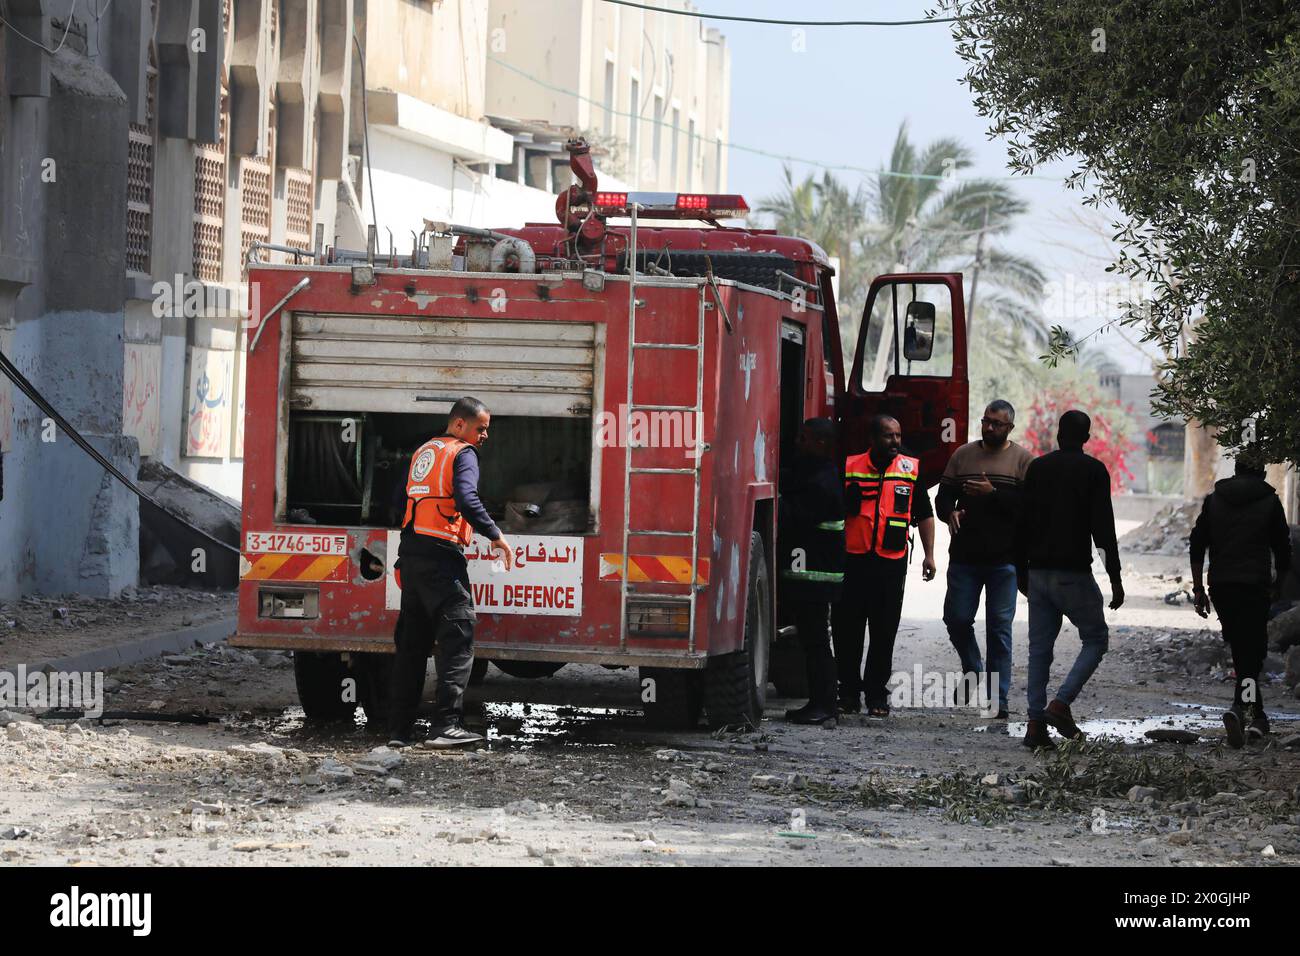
(1065, 510)
(979, 498)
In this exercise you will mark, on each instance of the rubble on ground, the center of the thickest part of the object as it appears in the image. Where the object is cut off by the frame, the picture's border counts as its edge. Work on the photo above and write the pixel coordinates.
(1166, 532)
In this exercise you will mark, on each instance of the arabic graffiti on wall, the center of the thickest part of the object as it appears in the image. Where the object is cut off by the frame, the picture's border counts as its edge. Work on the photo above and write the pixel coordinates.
(142, 365)
(208, 403)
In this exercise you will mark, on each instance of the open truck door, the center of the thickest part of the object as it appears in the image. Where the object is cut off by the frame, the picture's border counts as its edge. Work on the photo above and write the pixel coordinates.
(910, 363)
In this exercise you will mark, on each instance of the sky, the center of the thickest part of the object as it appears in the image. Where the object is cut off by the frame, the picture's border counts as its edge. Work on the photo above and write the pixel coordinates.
(840, 101)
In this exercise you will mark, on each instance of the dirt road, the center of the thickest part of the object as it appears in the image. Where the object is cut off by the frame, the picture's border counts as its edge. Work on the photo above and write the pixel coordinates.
(571, 777)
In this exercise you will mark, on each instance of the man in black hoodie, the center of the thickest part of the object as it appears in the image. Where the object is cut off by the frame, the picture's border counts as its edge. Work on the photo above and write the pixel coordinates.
(810, 542)
(1240, 523)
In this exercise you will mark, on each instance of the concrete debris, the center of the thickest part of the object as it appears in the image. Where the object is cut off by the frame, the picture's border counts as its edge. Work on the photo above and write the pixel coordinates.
(1139, 794)
(678, 793)
(1284, 630)
(522, 808)
(333, 771)
(1166, 532)
(379, 761)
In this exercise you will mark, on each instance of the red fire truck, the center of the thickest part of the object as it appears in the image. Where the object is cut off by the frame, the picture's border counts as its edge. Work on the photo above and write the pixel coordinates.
(645, 385)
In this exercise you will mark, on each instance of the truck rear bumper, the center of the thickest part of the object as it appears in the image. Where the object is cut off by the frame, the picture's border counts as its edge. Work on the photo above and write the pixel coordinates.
(638, 658)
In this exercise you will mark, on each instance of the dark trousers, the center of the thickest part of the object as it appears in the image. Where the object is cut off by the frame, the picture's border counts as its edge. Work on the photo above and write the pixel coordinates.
(873, 597)
(1243, 615)
(437, 612)
(812, 619)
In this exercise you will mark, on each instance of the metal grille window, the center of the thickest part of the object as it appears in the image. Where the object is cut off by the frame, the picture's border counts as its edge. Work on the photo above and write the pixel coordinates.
(139, 193)
(254, 205)
(209, 205)
(298, 208)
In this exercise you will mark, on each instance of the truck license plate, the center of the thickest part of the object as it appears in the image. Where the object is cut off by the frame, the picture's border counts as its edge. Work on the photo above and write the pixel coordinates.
(275, 542)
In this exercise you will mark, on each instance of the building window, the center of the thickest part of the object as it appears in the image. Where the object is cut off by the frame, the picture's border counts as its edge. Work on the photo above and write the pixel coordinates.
(298, 208)
(209, 204)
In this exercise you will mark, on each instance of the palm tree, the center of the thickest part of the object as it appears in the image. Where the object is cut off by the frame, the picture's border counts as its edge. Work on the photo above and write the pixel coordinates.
(912, 216)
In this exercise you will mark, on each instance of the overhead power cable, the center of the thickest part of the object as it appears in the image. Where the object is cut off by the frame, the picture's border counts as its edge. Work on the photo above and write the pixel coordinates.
(816, 164)
(780, 22)
(37, 399)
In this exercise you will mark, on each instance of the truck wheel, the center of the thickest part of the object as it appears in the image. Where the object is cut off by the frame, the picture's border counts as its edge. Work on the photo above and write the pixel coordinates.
(678, 698)
(528, 670)
(320, 680)
(374, 676)
(478, 672)
(736, 683)
(789, 671)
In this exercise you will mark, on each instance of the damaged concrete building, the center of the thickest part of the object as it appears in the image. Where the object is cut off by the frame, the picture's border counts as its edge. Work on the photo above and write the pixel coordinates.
(146, 146)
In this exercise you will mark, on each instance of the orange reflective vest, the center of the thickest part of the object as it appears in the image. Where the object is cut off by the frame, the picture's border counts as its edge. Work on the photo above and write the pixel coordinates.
(880, 523)
(430, 501)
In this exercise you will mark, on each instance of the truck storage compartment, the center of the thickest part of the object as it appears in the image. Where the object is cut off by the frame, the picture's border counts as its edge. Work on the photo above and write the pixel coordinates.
(365, 393)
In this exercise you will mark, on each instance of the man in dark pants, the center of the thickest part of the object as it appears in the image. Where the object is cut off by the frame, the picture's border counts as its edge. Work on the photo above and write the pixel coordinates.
(810, 549)
(1241, 522)
(1065, 509)
(883, 496)
(979, 498)
(443, 511)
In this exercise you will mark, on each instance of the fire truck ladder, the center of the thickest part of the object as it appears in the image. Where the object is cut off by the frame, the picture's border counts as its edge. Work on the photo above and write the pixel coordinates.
(697, 413)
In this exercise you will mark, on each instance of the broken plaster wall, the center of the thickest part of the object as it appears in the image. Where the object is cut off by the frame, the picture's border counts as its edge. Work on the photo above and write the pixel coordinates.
(65, 526)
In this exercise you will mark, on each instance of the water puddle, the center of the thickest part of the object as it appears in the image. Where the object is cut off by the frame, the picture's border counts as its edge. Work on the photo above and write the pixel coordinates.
(1205, 721)
(515, 725)
(525, 725)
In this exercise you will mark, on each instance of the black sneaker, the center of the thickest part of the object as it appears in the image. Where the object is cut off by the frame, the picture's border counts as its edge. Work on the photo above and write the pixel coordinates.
(810, 714)
(850, 705)
(1232, 724)
(453, 736)
(397, 743)
(1257, 729)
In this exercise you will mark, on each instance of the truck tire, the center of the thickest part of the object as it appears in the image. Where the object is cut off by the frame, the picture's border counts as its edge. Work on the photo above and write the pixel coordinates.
(320, 680)
(528, 670)
(736, 683)
(789, 671)
(478, 672)
(374, 676)
(678, 698)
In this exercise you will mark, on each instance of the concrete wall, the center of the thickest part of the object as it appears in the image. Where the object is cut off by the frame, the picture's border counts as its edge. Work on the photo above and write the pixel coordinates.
(64, 524)
(432, 51)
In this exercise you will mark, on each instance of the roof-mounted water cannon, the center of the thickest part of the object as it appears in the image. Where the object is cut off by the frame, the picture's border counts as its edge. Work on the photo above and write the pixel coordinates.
(573, 207)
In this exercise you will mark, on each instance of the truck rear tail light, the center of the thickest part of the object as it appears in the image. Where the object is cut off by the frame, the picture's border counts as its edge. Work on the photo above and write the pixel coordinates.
(298, 603)
(659, 617)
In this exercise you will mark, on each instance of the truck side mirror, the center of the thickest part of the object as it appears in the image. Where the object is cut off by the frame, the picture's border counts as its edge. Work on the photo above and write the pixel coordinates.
(918, 334)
